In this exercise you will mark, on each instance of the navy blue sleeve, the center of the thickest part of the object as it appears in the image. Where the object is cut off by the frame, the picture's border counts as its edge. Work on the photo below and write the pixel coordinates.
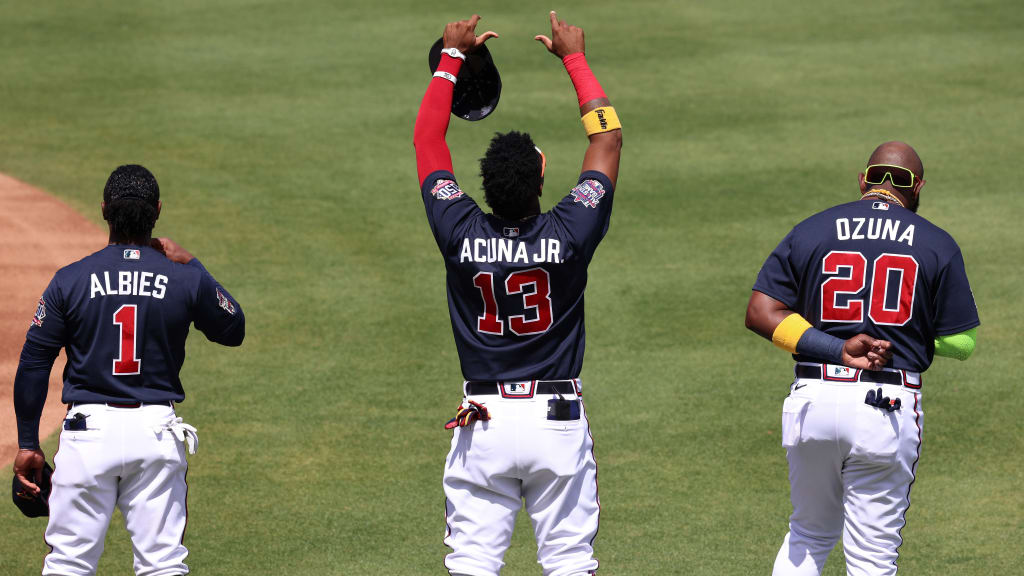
(955, 310)
(586, 211)
(30, 387)
(47, 328)
(777, 277)
(447, 206)
(217, 314)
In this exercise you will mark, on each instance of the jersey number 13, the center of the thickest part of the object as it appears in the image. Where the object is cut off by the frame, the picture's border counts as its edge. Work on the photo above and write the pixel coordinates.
(535, 286)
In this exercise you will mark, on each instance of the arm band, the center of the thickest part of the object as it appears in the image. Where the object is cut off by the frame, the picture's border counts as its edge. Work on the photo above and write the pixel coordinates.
(583, 80)
(601, 119)
(789, 331)
(959, 346)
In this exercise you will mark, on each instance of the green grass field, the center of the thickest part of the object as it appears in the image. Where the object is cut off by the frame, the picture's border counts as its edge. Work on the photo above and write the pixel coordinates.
(281, 134)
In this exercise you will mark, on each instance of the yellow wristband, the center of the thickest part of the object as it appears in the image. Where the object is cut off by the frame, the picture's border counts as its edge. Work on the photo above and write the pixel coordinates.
(601, 119)
(789, 331)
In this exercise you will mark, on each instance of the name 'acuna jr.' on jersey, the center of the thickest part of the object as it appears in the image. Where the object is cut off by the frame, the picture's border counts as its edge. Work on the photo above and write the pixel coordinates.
(873, 268)
(124, 314)
(515, 288)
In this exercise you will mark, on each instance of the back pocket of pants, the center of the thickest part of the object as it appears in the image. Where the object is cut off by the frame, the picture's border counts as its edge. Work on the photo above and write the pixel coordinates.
(794, 409)
(877, 434)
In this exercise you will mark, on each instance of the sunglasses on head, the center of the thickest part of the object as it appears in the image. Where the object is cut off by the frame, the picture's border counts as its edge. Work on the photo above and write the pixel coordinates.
(899, 176)
(543, 161)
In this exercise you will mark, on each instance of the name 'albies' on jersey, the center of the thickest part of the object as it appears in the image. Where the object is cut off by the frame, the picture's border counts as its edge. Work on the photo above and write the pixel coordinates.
(515, 288)
(874, 268)
(123, 314)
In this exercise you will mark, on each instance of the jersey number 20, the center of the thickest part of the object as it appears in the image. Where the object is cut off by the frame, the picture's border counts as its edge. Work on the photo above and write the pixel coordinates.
(538, 300)
(849, 270)
(128, 362)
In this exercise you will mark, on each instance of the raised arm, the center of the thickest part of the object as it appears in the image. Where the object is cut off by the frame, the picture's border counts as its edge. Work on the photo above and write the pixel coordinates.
(788, 330)
(432, 152)
(599, 118)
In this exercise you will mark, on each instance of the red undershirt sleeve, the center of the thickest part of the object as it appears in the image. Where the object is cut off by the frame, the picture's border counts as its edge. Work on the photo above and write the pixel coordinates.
(432, 152)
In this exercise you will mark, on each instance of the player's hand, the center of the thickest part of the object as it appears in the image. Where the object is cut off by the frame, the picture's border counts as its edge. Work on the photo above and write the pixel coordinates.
(28, 467)
(462, 36)
(866, 353)
(170, 248)
(564, 40)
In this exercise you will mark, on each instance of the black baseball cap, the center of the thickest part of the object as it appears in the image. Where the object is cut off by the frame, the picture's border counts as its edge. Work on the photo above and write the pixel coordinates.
(131, 181)
(37, 505)
(479, 85)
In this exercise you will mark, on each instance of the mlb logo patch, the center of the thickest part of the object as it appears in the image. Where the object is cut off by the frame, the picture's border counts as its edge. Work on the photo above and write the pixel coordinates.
(839, 373)
(446, 190)
(37, 319)
(517, 389)
(880, 206)
(132, 254)
(510, 232)
(588, 193)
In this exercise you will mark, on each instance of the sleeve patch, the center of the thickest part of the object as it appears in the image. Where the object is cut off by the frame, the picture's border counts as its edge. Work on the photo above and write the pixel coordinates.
(37, 320)
(446, 190)
(588, 193)
(225, 303)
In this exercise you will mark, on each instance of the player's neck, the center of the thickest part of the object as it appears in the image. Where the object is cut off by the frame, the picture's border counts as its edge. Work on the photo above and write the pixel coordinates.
(876, 194)
(119, 239)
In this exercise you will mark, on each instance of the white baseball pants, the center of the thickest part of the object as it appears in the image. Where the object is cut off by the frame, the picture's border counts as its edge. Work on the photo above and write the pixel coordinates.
(851, 466)
(129, 458)
(519, 455)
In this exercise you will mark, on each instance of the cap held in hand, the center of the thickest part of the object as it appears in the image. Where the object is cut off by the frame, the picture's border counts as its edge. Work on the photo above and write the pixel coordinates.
(478, 86)
(33, 505)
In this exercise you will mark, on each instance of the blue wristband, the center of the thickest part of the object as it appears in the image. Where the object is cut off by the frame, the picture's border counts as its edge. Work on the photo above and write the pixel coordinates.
(816, 344)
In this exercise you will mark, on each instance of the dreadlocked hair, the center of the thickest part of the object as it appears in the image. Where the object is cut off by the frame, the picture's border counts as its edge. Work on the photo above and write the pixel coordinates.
(511, 174)
(131, 217)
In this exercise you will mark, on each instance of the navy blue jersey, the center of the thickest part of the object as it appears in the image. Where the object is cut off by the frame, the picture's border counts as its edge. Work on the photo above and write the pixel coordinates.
(876, 268)
(123, 314)
(515, 288)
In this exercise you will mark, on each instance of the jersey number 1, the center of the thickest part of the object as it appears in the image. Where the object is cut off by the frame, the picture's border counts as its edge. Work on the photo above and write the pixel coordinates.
(852, 281)
(538, 300)
(128, 362)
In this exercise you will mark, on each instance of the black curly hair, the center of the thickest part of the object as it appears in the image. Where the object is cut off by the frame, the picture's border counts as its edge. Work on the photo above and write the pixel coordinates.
(511, 172)
(132, 196)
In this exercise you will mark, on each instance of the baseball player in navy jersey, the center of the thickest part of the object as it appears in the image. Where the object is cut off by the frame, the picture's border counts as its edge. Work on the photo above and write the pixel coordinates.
(122, 314)
(516, 279)
(863, 295)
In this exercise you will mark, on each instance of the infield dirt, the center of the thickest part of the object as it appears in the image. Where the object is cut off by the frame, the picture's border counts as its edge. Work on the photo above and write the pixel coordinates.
(38, 235)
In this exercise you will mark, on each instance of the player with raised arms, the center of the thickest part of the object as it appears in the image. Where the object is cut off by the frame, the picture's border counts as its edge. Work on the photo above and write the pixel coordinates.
(515, 281)
(863, 295)
(122, 314)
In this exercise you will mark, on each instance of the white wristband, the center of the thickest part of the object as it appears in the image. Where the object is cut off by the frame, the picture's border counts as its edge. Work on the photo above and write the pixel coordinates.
(454, 53)
(449, 77)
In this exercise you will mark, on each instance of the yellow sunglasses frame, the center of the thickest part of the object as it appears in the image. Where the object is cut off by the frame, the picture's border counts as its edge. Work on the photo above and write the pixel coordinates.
(888, 173)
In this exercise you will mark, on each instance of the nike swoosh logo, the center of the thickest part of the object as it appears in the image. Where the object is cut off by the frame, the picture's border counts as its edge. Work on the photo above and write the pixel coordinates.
(799, 386)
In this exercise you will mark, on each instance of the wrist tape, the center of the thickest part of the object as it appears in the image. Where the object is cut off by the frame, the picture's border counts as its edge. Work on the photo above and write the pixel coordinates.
(583, 80)
(796, 336)
(816, 344)
(603, 119)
